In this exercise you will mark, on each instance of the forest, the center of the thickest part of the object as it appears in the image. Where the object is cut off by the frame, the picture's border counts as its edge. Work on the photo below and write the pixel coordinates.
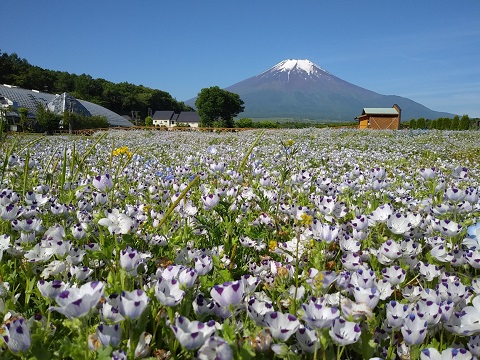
(123, 98)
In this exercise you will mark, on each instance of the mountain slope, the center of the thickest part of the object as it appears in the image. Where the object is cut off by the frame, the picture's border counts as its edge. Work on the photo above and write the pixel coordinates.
(300, 89)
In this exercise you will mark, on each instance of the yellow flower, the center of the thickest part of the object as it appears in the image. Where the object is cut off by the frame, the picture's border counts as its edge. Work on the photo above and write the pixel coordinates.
(122, 151)
(289, 143)
(306, 219)
(318, 279)
(272, 245)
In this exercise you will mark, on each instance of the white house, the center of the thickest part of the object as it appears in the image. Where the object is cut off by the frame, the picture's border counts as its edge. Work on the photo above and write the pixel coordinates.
(170, 119)
(164, 118)
(190, 118)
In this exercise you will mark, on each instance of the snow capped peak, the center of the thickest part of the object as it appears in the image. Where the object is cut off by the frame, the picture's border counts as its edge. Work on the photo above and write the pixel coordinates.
(297, 65)
(290, 64)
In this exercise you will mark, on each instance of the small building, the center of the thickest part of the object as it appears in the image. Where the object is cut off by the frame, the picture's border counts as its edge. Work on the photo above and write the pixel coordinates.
(190, 118)
(380, 118)
(164, 118)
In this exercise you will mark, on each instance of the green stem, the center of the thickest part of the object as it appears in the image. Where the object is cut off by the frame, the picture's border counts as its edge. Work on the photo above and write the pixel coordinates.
(297, 265)
(176, 202)
(245, 158)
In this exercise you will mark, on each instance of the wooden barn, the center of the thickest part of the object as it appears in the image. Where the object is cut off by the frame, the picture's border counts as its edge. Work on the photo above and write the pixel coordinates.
(380, 118)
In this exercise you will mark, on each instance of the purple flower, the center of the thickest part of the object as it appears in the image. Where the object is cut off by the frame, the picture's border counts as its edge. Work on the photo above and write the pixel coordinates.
(466, 322)
(474, 345)
(447, 354)
(109, 334)
(192, 334)
(414, 329)
(318, 315)
(119, 355)
(344, 332)
(130, 259)
(323, 232)
(51, 289)
(102, 182)
(258, 309)
(16, 334)
(399, 223)
(281, 325)
(203, 264)
(229, 293)
(109, 310)
(210, 201)
(214, 348)
(168, 292)
(394, 274)
(368, 296)
(396, 313)
(77, 302)
(307, 339)
(432, 312)
(201, 305)
(133, 303)
(187, 277)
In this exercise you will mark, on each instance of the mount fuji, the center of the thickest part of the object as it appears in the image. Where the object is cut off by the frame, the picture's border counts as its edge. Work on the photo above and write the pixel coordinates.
(300, 89)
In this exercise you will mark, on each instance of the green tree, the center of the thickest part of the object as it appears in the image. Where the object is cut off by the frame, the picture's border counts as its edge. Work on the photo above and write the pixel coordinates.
(244, 123)
(455, 123)
(148, 121)
(464, 122)
(413, 124)
(23, 112)
(421, 123)
(215, 104)
(47, 120)
(440, 122)
(447, 123)
(432, 125)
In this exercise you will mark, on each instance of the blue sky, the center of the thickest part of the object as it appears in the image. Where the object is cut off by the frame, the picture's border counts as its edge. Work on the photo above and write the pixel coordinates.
(428, 51)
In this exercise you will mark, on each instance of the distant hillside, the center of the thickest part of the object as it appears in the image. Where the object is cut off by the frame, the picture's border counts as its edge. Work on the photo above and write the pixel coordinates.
(122, 98)
(300, 89)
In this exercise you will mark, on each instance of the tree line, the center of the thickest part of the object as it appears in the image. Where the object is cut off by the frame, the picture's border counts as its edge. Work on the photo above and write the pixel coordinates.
(123, 98)
(457, 123)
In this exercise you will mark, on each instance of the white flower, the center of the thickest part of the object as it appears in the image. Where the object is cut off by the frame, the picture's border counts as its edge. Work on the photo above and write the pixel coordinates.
(117, 222)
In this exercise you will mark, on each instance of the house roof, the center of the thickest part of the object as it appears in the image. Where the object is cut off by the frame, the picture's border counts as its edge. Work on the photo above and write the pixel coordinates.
(163, 115)
(30, 99)
(380, 111)
(188, 117)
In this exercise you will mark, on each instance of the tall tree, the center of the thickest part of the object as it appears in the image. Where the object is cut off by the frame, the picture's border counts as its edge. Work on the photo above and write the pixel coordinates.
(413, 124)
(215, 104)
(464, 122)
(47, 120)
(455, 123)
(421, 124)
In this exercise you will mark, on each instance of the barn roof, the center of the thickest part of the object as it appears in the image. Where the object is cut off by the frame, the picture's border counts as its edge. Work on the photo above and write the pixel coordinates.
(380, 111)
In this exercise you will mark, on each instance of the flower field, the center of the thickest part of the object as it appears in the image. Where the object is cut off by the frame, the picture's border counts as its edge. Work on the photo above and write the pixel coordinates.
(296, 244)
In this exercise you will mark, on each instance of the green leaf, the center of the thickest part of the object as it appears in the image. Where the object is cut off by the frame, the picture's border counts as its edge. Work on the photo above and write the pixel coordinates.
(104, 353)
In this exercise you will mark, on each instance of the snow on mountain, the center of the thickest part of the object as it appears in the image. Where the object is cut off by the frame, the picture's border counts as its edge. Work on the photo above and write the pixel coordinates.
(300, 89)
(301, 68)
(296, 65)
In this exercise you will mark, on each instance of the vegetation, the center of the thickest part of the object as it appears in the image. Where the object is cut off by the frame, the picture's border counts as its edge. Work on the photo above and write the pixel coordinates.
(148, 121)
(289, 244)
(457, 123)
(215, 105)
(122, 98)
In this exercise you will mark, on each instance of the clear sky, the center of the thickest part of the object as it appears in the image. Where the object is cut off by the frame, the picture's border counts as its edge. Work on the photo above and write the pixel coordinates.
(425, 50)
